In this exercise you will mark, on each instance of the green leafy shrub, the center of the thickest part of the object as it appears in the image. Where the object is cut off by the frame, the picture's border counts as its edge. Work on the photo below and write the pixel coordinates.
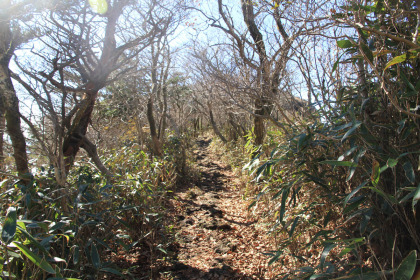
(348, 185)
(55, 233)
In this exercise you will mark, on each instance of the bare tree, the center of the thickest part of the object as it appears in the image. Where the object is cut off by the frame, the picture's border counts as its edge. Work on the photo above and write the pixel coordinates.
(167, 21)
(81, 50)
(264, 43)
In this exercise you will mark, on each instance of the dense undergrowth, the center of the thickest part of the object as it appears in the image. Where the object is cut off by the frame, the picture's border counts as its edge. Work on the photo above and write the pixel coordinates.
(335, 217)
(340, 188)
(326, 199)
(343, 184)
(70, 232)
(340, 205)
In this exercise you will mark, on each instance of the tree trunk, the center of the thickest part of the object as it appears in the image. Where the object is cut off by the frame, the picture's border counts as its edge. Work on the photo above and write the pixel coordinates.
(215, 128)
(12, 117)
(164, 115)
(60, 173)
(156, 147)
(2, 129)
(196, 124)
(74, 138)
(236, 129)
(259, 128)
(90, 148)
(96, 79)
(8, 96)
(139, 128)
(163, 124)
(260, 104)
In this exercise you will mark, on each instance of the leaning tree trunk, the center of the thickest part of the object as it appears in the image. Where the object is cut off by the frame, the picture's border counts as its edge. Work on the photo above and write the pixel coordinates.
(215, 128)
(8, 96)
(97, 80)
(12, 116)
(91, 149)
(74, 138)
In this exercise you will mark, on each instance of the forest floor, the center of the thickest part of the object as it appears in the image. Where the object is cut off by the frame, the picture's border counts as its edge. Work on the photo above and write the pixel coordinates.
(215, 236)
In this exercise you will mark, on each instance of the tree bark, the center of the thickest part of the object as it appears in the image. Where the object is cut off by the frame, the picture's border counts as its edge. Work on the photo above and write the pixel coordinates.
(9, 100)
(163, 121)
(259, 127)
(236, 128)
(259, 111)
(13, 124)
(90, 148)
(215, 128)
(139, 128)
(74, 138)
(2, 129)
(269, 67)
(95, 80)
(156, 146)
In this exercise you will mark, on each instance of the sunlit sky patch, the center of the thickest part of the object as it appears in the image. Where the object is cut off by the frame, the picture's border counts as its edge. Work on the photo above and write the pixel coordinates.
(99, 6)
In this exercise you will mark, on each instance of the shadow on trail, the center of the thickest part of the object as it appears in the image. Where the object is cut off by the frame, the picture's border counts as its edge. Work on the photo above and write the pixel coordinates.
(203, 201)
(204, 143)
(185, 272)
(210, 175)
(202, 247)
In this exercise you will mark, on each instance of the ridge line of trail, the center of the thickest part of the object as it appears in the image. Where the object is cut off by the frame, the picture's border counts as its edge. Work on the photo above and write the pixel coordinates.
(215, 236)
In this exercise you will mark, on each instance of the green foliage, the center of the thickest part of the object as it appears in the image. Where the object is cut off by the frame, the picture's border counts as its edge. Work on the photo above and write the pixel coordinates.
(307, 189)
(37, 260)
(352, 182)
(407, 267)
(62, 233)
(9, 227)
(175, 152)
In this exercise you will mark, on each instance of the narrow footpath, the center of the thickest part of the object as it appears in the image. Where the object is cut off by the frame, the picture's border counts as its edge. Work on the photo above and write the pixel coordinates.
(215, 234)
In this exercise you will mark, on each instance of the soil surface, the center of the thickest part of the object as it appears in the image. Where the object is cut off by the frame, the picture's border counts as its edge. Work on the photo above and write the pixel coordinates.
(215, 234)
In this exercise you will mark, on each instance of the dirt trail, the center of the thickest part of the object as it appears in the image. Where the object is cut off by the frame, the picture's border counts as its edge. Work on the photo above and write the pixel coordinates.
(215, 235)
